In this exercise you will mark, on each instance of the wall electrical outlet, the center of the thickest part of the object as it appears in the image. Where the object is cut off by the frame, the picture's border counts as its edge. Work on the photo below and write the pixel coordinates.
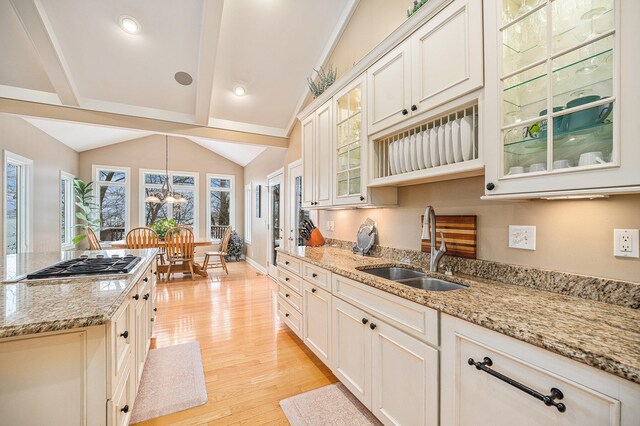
(330, 226)
(625, 242)
(522, 237)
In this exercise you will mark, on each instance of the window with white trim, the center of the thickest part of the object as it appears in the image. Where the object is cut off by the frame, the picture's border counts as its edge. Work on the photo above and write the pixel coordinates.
(247, 213)
(17, 203)
(182, 183)
(220, 204)
(112, 199)
(67, 210)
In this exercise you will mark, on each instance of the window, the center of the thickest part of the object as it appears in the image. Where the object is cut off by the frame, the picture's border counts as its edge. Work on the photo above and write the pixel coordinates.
(112, 189)
(183, 183)
(220, 204)
(67, 210)
(247, 213)
(17, 203)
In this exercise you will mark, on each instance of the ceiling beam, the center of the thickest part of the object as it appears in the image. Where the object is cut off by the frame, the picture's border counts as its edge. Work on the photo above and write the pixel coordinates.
(65, 113)
(37, 26)
(209, 37)
(341, 25)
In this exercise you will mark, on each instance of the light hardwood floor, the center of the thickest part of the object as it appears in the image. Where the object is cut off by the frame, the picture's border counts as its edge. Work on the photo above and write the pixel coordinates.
(251, 359)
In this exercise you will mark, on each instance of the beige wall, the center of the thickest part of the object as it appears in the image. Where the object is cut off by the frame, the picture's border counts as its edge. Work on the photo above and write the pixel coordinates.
(184, 155)
(572, 236)
(256, 172)
(49, 158)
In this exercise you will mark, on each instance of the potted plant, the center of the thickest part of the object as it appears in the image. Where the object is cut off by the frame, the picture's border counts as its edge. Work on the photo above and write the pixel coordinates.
(162, 226)
(234, 249)
(83, 193)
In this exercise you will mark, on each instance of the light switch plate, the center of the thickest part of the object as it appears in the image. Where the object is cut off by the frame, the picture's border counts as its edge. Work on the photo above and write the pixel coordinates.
(522, 237)
(330, 226)
(625, 242)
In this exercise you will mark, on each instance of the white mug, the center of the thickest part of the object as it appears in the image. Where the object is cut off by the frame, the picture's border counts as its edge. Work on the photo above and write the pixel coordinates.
(515, 170)
(561, 164)
(537, 167)
(590, 158)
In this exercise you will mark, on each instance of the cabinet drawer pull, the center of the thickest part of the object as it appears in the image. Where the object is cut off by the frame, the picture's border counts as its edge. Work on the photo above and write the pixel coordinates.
(372, 326)
(286, 315)
(286, 262)
(549, 400)
(286, 295)
(364, 320)
(313, 290)
(146, 296)
(124, 334)
(136, 297)
(146, 279)
(314, 275)
(286, 278)
(125, 409)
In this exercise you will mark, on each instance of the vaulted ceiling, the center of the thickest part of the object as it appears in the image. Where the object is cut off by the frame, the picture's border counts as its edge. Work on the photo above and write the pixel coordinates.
(74, 53)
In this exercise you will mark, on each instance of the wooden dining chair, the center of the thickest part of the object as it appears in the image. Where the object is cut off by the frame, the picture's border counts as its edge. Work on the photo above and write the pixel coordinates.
(144, 238)
(94, 243)
(220, 254)
(180, 248)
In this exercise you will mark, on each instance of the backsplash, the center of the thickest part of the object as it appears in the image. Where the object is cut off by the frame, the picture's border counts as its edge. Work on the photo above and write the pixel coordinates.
(622, 293)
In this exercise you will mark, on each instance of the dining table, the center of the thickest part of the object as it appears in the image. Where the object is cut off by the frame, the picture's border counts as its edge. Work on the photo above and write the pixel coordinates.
(184, 267)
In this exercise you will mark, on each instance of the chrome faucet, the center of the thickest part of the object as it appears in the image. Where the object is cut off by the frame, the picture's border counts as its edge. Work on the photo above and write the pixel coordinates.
(429, 233)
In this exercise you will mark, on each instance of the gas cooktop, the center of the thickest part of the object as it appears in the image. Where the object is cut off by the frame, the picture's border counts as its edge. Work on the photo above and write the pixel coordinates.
(84, 265)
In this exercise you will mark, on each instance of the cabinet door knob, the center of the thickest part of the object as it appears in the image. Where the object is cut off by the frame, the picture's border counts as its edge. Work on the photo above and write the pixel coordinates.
(414, 107)
(362, 198)
(155, 309)
(286, 315)
(405, 112)
(372, 326)
(146, 279)
(146, 296)
(155, 272)
(286, 278)
(364, 320)
(125, 334)
(286, 262)
(313, 290)
(491, 186)
(125, 409)
(136, 297)
(286, 295)
(314, 275)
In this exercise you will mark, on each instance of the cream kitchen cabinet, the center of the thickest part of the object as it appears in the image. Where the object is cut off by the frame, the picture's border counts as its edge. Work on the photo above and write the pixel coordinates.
(421, 73)
(316, 315)
(317, 146)
(392, 373)
(561, 98)
(470, 395)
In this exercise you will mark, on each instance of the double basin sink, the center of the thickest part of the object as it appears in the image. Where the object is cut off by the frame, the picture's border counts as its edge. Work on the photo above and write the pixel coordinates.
(413, 278)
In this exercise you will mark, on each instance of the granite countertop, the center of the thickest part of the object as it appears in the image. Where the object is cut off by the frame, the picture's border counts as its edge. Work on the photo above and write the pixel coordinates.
(598, 334)
(38, 306)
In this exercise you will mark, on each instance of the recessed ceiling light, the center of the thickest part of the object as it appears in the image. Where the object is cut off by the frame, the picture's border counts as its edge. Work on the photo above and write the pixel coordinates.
(239, 91)
(129, 24)
(183, 78)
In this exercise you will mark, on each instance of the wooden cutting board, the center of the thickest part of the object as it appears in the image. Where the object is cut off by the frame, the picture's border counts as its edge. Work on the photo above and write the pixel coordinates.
(459, 234)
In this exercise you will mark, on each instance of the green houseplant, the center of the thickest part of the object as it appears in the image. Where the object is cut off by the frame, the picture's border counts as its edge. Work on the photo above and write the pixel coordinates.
(162, 226)
(85, 203)
(234, 249)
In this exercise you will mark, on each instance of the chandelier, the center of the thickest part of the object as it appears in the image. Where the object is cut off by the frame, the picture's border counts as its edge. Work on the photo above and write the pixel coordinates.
(166, 193)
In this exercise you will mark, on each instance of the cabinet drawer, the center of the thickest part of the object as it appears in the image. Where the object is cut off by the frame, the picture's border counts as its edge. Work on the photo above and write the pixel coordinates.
(315, 275)
(290, 316)
(289, 263)
(290, 296)
(122, 404)
(290, 280)
(417, 320)
(121, 341)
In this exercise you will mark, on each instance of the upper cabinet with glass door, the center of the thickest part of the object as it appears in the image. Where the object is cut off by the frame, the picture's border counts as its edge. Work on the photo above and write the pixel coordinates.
(560, 74)
(349, 150)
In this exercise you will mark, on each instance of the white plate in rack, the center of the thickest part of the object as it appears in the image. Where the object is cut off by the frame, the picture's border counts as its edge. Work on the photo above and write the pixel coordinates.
(426, 149)
(442, 142)
(401, 165)
(415, 165)
(455, 139)
(420, 151)
(449, 138)
(392, 158)
(407, 154)
(434, 147)
(466, 137)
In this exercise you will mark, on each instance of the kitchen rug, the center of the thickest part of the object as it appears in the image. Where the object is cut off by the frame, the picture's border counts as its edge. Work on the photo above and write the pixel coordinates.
(172, 380)
(329, 405)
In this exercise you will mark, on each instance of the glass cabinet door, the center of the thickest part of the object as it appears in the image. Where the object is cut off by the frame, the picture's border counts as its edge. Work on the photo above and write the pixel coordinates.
(348, 146)
(558, 91)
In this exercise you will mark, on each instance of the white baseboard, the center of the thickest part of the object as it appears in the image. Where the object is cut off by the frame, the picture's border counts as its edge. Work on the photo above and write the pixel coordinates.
(256, 265)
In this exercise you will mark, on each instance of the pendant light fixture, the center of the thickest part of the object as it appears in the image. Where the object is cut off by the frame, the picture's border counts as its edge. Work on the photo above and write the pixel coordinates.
(166, 193)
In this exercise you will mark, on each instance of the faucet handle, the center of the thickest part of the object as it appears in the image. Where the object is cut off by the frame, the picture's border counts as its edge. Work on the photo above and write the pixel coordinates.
(443, 244)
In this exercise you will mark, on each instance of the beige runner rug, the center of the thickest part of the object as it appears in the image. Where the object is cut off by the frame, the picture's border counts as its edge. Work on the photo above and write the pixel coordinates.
(172, 380)
(329, 405)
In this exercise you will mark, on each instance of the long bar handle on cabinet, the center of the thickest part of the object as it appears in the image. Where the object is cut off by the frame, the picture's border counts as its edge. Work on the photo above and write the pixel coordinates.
(549, 400)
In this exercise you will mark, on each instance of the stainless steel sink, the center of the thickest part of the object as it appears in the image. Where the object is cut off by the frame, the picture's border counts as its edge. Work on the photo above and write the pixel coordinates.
(413, 278)
(394, 273)
(432, 284)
